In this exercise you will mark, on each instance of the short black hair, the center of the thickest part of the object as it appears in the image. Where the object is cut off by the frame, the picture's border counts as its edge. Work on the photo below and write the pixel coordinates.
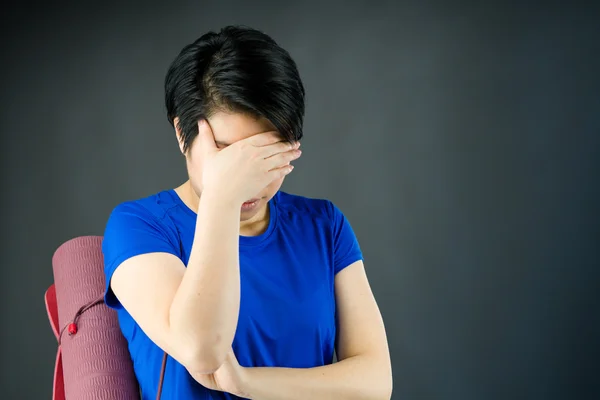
(238, 69)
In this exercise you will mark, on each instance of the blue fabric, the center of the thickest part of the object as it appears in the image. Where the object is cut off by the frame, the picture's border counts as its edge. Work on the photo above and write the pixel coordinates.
(287, 310)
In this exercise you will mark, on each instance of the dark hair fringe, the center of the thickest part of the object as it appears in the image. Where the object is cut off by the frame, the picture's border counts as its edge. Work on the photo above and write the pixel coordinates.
(238, 69)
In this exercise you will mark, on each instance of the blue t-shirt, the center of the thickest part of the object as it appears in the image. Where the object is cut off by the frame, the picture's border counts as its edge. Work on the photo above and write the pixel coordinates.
(287, 314)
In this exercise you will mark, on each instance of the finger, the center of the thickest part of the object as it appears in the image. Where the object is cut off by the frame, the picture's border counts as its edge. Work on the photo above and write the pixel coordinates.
(282, 159)
(206, 139)
(280, 172)
(264, 138)
(275, 148)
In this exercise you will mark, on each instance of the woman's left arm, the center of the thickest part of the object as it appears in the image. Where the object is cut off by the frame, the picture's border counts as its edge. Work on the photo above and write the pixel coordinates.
(363, 371)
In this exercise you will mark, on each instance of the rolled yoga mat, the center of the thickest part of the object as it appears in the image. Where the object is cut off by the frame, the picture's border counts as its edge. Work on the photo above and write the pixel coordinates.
(96, 361)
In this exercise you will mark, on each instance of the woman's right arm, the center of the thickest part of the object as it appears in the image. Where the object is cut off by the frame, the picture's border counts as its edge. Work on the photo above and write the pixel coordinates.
(192, 312)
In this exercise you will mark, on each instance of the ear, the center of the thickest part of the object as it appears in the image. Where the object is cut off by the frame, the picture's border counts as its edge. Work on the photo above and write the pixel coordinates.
(178, 133)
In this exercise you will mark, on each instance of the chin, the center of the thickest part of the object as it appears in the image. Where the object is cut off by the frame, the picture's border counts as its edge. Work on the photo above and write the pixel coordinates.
(247, 215)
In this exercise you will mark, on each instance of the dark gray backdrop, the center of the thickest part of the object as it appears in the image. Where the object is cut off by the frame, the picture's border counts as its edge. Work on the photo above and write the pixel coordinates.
(460, 140)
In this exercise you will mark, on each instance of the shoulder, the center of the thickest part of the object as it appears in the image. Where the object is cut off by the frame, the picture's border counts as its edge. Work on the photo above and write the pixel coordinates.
(315, 208)
(322, 211)
(325, 216)
(141, 217)
(137, 227)
(140, 226)
(155, 206)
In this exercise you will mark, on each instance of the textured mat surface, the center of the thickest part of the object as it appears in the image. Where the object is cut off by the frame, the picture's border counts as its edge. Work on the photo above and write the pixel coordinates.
(96, 362)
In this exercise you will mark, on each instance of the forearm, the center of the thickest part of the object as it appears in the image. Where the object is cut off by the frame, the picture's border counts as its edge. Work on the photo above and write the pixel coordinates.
(355, 378)
(206, 306)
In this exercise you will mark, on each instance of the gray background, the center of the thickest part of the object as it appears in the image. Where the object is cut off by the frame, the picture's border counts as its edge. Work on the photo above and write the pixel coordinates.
(462, 142)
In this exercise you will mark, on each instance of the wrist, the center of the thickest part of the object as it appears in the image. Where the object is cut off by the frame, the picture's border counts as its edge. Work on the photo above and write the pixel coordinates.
(220, 198)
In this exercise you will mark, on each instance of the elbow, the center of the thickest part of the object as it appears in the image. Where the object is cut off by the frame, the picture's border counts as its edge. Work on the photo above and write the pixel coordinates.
(199, 351)
(382, 389)
(204, 365)
(386, 388)
(387, 379)
(204, 358)
(388, 392)
(383, 392)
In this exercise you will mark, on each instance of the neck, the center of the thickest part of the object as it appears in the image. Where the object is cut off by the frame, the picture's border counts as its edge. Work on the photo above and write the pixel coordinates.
(251, 227)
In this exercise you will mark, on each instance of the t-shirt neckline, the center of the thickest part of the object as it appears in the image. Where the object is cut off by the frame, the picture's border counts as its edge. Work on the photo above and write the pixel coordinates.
(244, 240)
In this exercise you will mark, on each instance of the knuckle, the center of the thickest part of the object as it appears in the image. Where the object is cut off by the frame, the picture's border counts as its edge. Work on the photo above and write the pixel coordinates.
(280, 147)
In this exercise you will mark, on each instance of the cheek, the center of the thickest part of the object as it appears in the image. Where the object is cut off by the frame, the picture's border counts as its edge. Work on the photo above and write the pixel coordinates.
(194, 169)
(194, 164)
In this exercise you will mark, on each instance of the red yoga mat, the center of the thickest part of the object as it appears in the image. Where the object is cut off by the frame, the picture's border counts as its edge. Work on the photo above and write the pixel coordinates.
(95, 360)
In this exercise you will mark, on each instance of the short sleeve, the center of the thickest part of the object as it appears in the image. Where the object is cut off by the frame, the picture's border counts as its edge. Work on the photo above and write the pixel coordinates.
(132, 230)
(346, 248)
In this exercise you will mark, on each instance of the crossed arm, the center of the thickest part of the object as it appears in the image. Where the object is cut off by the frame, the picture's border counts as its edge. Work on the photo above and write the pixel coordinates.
(191, 313)
(363, 370)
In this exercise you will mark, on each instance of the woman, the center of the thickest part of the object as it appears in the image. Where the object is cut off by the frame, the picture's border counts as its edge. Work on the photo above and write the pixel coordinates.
(247, 289)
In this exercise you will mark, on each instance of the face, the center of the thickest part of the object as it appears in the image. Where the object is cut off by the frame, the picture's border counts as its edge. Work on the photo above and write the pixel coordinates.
(229, 128)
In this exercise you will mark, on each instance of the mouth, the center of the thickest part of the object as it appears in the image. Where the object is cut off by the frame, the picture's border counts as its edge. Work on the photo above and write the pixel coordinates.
(250, 204)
